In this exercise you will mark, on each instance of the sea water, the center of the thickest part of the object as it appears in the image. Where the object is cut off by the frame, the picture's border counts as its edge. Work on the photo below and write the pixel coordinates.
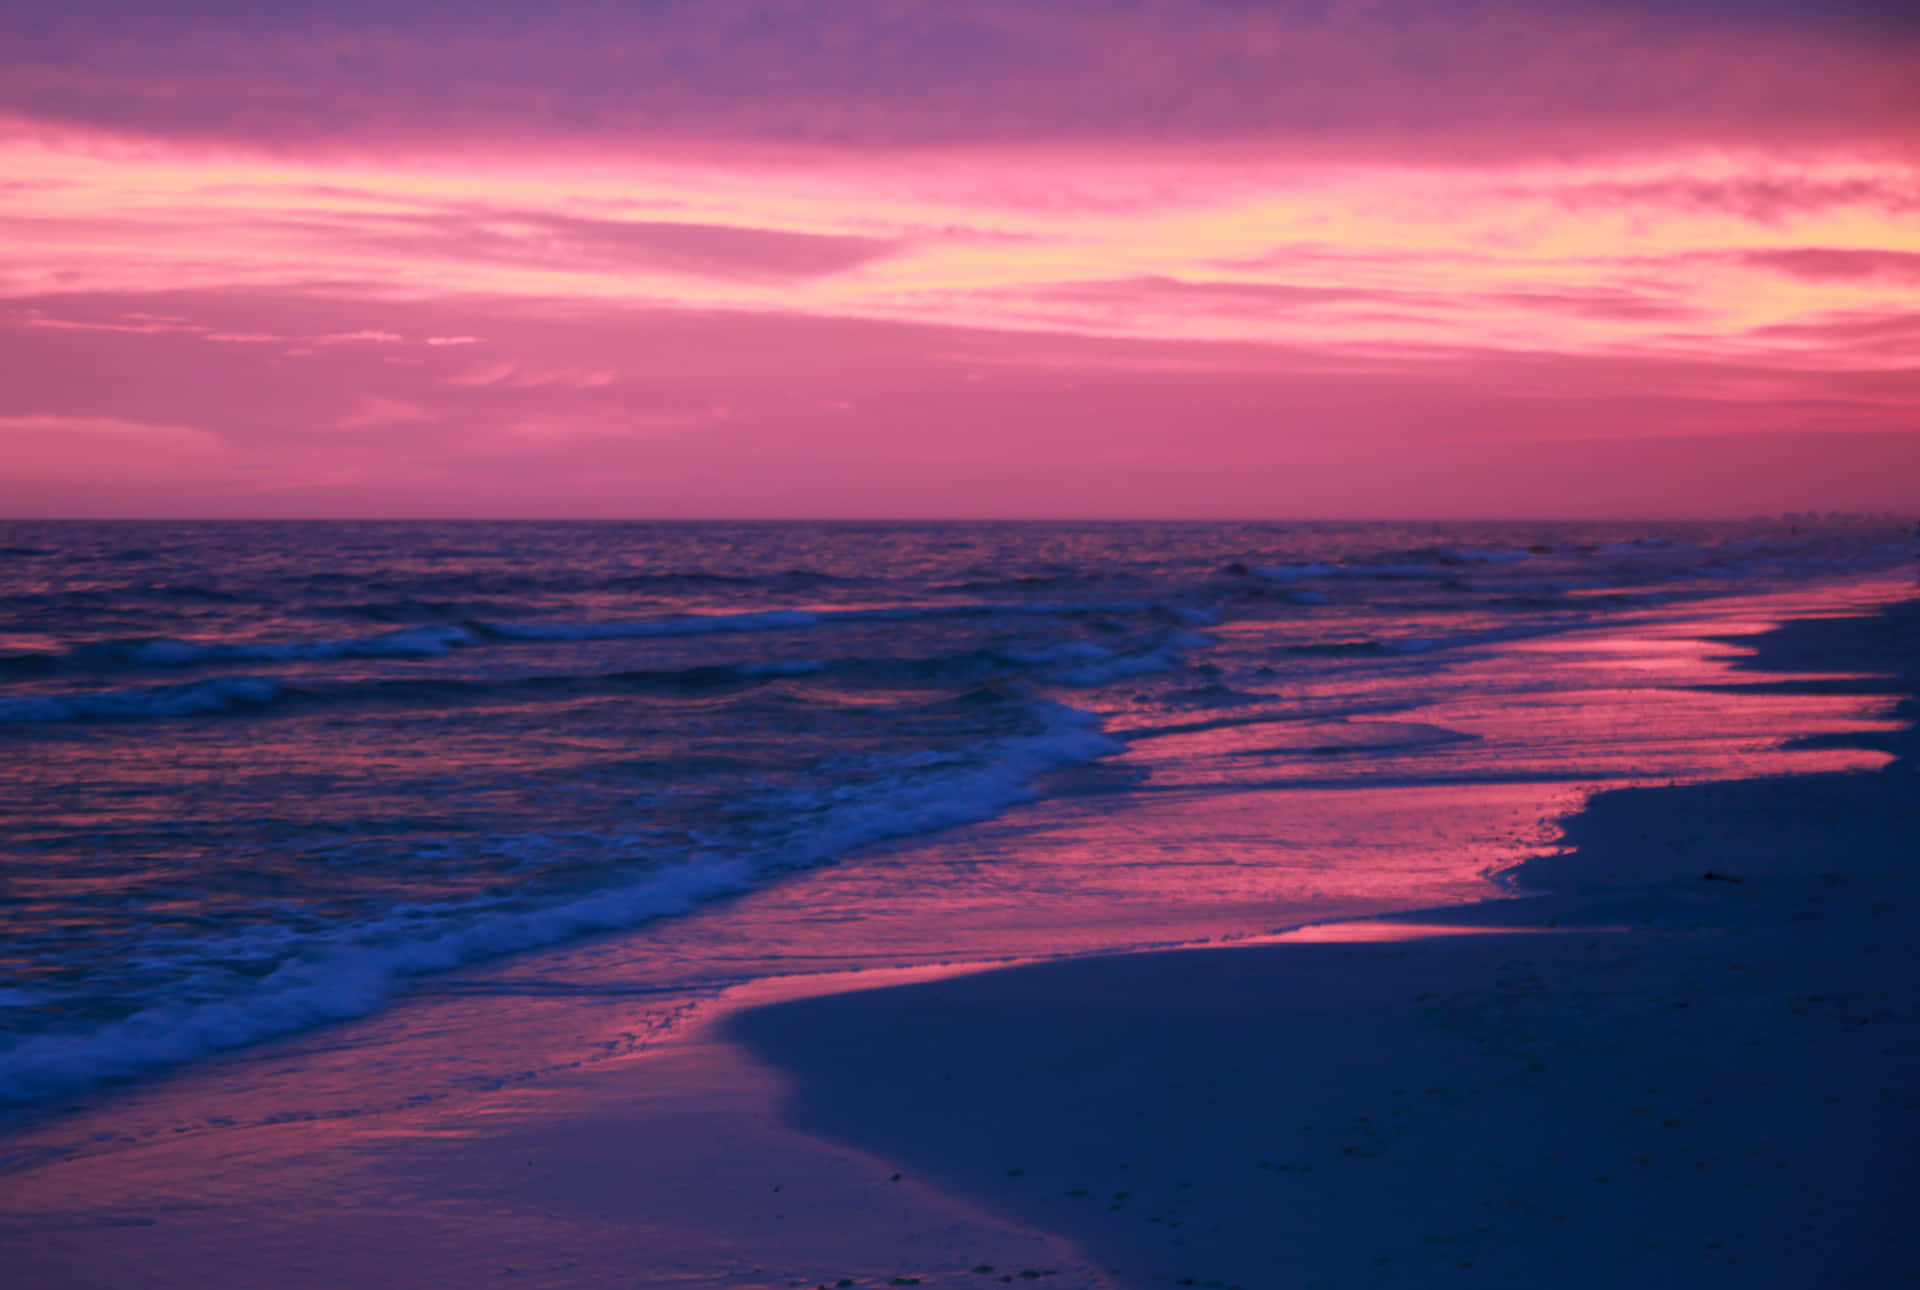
(256, 777)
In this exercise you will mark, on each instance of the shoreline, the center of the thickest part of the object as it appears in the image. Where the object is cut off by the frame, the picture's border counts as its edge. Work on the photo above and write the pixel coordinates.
(366, 1001)
(621, 1162)
(1706, 1077)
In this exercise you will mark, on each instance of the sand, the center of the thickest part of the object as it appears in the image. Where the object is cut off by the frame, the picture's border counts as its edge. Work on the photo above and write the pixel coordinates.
(1699, 1066)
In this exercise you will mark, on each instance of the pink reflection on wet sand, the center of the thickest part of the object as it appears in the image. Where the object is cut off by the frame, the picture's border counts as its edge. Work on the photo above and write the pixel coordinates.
(1371, 930)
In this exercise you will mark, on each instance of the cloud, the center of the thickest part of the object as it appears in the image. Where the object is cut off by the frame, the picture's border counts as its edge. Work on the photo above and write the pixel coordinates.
(1398, 75)
(453, 340)
(708, 249)
(174, 438)
(134, 324)
(1226, 247)
(546, 239)
(1829, 264)
(1609, 303)
(1225, 296)
(1328, 313)
(1886, 334)
(515, 374)
(611, 423)
(1761, 198)
(522, 376)
(68, 450)
(373, 411)
(365, 337)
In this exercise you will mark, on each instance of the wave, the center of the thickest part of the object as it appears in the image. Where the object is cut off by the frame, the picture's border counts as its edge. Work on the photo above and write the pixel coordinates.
(1456, 556)
(1639, 546)
(165, 652)
(188, 592)
(697, 579)
(415, 609)
(790, 619)
(221, 694)
(771, 620)
(251, 693)
(354, 971)
(1075, 663)
(985, 582)
(435, 640)
(503, 583)
(1399, 569)
(1163, 657)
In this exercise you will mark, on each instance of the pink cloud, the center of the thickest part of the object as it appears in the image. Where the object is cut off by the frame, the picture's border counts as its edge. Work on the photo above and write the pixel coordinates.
(511, 372)
(1894, 334)
(1472, 77)
(1600, 302)
(1827, 264)
(1763, 198)
(102, 462)
(607, 422)
(26, 432)
(134, 324)
(1230, 297)
(374, 410)
(365, 336)
(548, 239)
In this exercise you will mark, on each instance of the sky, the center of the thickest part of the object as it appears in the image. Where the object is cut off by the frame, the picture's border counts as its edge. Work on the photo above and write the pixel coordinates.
(981, 259)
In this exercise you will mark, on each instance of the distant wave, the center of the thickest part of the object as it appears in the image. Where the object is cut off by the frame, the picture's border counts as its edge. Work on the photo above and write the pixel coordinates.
(695, 579)
(222, 694)
(634, 629)
(430, 641)
(417, 609)
(1073, 663)
(1396, 570)
(434, 640)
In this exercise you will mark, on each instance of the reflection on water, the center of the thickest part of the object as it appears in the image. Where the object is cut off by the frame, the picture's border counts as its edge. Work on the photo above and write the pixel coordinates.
(1372, 930)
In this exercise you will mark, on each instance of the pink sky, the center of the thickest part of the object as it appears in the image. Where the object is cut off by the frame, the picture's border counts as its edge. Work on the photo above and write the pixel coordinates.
(881, 258)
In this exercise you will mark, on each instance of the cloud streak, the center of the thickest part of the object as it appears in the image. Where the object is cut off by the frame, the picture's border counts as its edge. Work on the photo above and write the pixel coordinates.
(1829, 264)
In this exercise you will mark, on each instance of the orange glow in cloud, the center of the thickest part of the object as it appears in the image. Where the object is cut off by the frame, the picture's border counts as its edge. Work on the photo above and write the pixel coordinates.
(1566, 258)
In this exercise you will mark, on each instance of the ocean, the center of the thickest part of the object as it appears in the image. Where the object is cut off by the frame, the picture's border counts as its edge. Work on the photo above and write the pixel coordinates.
(260, 777)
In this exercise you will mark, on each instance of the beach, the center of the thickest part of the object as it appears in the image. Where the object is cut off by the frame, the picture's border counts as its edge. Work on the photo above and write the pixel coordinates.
(1692, 1061)
(1683, 1053)
(1128, 645)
